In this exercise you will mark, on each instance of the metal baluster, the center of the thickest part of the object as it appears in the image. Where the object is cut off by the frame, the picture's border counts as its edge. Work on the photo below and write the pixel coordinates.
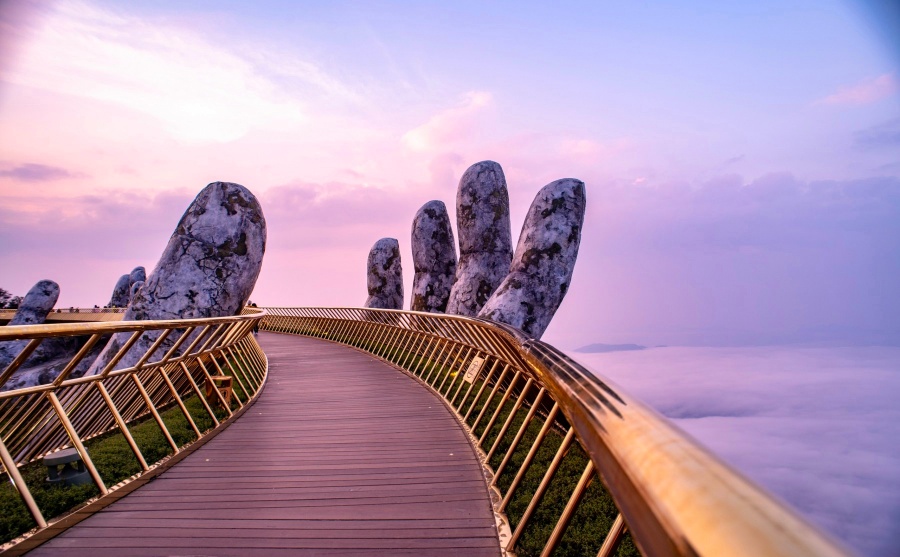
(122, 426)
(490, 397)
(20, 485)
(499, 408)
(542, 488)
(484, 384)
(509, 419)
(567, 513)
(613, 537)
(76, 441)
(200, 394)
(154, 412)
(180, 402)
(535, 446)
(521, 433)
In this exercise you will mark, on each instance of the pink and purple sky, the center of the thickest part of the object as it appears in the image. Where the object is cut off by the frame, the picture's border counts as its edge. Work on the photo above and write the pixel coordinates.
(742, 160)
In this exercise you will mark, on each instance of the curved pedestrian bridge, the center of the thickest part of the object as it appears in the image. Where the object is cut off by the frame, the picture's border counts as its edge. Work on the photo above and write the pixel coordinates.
(350, 431)
(342, 454)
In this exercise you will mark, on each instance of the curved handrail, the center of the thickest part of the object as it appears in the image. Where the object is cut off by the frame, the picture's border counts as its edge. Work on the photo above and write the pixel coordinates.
(145, 367)
(674, 496)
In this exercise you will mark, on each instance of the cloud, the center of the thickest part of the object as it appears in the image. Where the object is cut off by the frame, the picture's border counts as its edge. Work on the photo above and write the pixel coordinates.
(866, 92)
(319, 235)
(815, 426)
(732, 262)
(775, 211)
(886, 134)
(199, 89)
(32, 172)
(449, 126)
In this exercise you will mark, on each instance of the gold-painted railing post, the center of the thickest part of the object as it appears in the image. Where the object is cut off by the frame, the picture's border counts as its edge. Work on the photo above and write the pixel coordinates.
(383, 343)
(569, 510)
(532, 452)
(247, 370)
(418, 339)
(212, 358)
(184, 410)
(391, 340)
(121, 424)
(435, 371)
(611, 542)
(487, 402)
(462, 382)
(247, 392)
(383, 335)
(484, 384)
(76, 440)
(215, 391)
(20, 485)
(499, 408)
(200, 395)
(456, 372)
(542, 488)
(454, 365)
(521, 433)
(509, 419)
(154, 412)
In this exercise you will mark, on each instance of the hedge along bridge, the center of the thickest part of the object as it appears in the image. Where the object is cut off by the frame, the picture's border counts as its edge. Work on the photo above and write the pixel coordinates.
(573, 465)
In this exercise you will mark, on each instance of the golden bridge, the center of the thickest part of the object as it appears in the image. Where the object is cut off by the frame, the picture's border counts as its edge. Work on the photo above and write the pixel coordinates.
(360, 432)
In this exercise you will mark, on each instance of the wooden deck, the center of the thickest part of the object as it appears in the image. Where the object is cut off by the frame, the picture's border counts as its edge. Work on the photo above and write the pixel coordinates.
(341, 455)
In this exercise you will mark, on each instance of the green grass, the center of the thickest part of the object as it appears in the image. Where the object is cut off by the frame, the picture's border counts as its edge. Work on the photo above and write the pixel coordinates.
(114, 461)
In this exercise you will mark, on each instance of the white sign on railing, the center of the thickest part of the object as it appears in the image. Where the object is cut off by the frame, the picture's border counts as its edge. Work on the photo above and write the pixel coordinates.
(473, 369)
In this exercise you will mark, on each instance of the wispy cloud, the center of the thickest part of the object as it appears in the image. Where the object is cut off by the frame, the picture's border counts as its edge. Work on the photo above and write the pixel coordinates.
(32, 172)
(450, 125)
(866, 92)
(199, 89)
(886, 134)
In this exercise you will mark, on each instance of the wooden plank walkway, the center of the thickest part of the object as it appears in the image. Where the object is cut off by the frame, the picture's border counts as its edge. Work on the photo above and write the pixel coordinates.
(341, 455)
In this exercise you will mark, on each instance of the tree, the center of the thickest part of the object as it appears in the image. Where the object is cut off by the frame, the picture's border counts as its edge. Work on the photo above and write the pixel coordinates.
(8, 301)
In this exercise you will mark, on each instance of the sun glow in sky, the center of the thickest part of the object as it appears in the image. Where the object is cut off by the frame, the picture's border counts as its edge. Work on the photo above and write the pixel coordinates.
(741, 159)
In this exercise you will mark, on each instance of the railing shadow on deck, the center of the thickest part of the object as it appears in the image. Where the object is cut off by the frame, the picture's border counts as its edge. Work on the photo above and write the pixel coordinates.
(577, 466)
(161, 371)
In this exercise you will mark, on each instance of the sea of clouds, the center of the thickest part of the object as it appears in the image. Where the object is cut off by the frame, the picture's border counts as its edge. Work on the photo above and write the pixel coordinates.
(818, 427)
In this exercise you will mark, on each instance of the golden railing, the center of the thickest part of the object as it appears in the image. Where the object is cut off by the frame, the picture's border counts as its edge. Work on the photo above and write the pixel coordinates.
(172, 361)
(672, 496)
(72, 315)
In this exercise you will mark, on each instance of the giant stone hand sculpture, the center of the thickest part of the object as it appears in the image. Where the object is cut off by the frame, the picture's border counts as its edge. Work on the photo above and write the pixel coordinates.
(384, 276)
(208, 269)
(121, 293)
(485, 244)
(32, 311)
(434, 258)
(542, 267)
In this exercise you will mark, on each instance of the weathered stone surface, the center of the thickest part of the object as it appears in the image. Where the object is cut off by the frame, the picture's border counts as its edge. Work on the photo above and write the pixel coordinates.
(384, 276)
(434, 258)
(135, 287)
(120, 296)
(544, 260)
(208, 269)
(485, 244)
(37, 304)
(138, 274)
(32, 311)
